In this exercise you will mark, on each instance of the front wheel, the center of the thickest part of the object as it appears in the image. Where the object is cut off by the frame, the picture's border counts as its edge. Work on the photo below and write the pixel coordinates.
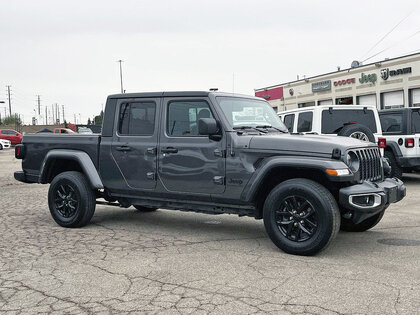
(71, 200)
(301, 217)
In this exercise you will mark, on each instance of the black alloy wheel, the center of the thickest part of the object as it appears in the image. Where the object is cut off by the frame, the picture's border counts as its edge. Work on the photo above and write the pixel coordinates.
(71, 199)
(297, 219)
(66, 200)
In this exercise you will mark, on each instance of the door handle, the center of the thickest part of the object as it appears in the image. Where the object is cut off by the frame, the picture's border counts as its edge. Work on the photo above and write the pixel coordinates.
(123, 148)
(169, 150)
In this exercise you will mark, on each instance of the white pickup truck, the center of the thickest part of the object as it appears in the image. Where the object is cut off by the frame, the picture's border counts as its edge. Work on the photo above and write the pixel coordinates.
(401, 129)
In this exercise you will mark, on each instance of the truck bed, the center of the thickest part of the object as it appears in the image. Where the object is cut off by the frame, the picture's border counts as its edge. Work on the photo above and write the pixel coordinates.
(38, 145)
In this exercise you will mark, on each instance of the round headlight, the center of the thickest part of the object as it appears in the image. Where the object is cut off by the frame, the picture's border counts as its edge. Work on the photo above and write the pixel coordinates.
(353, 161)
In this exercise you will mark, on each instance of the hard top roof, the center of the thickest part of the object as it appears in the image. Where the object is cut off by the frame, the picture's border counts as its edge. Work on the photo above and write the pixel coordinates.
(180, 94)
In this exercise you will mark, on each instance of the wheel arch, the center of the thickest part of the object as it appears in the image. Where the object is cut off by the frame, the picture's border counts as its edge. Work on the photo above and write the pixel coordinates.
(59, 161)
(278, 170)
(393, 147)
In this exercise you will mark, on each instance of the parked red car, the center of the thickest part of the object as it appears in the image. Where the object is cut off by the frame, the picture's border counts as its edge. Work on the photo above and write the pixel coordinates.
(12, 135)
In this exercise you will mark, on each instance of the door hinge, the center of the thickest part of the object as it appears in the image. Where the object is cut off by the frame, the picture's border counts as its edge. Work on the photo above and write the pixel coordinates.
(151, 175)
(219, 180)
(151, 151)
(220, 153)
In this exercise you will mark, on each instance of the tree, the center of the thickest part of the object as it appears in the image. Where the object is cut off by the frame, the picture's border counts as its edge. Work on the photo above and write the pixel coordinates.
(89, 122)
(65, 124)
(12, 120)
(98, 119)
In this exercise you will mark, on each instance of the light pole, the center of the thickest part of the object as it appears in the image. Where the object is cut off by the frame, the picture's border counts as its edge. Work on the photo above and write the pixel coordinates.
(121, 78)
(2, 102)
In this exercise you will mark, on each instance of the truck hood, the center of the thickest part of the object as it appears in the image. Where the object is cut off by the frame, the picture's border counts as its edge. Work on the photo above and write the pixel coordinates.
(306, 143)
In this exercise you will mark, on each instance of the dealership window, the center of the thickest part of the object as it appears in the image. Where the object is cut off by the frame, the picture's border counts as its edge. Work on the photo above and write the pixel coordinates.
(325, 102)
(289, 120)
(393, 99)
(137, 119)
(344, 100)
(301, 105)
(305, 122)
(391, 123)
(369, 99)
(414, 97)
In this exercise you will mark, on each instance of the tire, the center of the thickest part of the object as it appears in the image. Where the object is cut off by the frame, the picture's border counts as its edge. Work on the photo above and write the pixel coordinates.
(145, 209)
(71, 200)
(357, 131)
(279, 207)
(1, 147)
(348, 225)
(396, 170)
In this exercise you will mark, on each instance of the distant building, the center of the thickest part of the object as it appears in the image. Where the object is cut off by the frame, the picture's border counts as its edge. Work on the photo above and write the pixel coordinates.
(390, 83)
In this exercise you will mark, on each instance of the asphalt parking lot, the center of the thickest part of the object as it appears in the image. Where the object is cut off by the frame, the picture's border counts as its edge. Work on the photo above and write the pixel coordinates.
(175, 262)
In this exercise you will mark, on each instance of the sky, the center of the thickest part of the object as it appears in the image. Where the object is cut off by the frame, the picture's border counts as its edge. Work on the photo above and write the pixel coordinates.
(67, 51)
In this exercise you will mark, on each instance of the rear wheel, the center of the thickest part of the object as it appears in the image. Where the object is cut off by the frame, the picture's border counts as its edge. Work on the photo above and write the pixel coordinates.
(71, 200)
(396, 170)
(1, 146)
(145, 209)
(301, 217)
(349, 226)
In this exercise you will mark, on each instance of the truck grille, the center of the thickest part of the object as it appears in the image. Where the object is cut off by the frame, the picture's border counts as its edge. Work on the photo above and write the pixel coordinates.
(370, 164)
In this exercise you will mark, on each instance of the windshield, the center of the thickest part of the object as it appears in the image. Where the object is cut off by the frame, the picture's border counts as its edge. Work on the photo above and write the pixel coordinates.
(243, 112)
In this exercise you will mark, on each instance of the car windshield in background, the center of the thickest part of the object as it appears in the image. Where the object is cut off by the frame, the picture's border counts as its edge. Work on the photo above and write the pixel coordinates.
(242, 112)
(415, 118)
(334, 119)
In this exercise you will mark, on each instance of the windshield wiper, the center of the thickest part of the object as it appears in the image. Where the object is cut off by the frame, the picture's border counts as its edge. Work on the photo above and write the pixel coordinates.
(250, 127)
(269, 126)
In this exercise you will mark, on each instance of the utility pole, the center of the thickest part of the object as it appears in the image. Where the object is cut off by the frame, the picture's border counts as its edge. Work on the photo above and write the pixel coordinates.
(10, 100)
(57, 113)
(39, 104)
(64, 119)
(52, 112)
(46, 116)
(74, 118)
(121, 78)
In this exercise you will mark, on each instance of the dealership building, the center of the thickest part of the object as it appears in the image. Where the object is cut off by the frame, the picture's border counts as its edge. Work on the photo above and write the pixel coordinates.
(391, 83)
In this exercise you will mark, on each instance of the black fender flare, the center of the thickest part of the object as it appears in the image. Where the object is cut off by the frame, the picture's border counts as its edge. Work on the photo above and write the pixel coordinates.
(308, 163)
(395, 148)
(81, 157)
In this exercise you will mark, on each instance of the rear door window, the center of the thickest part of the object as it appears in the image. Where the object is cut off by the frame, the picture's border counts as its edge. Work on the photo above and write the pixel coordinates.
(305, 122)
(391, 123)
(137, 119)
(335, 119)
(415, 119)
(289, 121)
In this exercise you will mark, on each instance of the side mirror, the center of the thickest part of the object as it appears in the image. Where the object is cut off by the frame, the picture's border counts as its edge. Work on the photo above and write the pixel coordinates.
(207, 127)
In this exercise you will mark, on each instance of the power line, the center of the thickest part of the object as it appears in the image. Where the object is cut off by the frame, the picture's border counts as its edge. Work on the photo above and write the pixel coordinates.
(393, 45)
(389, 32)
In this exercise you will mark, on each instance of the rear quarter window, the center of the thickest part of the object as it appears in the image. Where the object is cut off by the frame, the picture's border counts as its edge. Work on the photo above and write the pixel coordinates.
(334, 120)
(305, 122)
(391, 123)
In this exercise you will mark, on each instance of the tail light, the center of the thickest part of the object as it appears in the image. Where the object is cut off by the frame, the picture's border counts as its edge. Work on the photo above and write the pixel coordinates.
(19, 151)
(409, 143)
(382, 143)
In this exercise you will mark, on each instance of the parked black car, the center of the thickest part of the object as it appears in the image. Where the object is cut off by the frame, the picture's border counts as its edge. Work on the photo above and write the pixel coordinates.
(215, 153)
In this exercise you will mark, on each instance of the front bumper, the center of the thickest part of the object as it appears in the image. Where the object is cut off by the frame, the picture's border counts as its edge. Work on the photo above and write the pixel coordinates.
(382, 194)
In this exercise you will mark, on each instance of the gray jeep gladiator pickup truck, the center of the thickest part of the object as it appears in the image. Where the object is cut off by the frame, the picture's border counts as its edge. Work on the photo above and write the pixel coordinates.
(215, 153)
